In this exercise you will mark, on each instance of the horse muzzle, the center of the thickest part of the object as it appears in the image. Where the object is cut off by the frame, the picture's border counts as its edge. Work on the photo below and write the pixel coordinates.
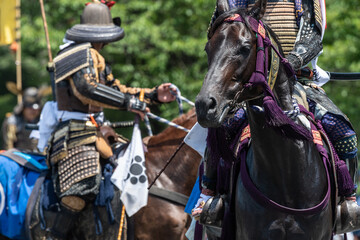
(209, 113)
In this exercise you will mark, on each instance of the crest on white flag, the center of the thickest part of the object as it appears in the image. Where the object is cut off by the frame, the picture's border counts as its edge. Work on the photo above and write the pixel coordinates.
(130, 175)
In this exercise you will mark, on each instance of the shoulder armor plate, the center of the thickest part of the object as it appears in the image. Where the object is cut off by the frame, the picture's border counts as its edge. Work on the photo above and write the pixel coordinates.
(71, 61)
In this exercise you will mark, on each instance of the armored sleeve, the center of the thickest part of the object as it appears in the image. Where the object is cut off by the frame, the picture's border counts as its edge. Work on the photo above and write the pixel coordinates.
(92, 86)
(150, 93)
(308, 42)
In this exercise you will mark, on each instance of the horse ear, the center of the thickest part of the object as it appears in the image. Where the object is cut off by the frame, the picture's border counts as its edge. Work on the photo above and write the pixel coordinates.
(258, 10)
(222, 6)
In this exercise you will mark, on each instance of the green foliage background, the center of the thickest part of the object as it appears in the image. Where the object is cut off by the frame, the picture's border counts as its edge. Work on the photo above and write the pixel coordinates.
(164, 42)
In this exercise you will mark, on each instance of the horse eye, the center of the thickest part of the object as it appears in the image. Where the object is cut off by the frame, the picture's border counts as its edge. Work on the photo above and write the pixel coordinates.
(244, 50)
(206, 47)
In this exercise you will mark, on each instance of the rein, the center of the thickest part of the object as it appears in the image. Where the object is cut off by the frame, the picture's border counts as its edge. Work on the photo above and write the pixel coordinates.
(167, 163)
(165, 194)
(260, 198)
(274, 116)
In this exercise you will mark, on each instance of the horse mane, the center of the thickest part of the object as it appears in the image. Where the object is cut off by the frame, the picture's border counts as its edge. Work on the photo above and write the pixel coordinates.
(291, 80)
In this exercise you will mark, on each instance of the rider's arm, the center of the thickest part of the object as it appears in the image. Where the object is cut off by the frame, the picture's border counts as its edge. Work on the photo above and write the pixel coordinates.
(308, 42)
(150, 96)
(88, 86)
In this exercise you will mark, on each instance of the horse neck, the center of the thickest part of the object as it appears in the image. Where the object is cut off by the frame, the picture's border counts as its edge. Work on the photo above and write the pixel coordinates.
(265, 136)
(279, 161)
(180, 173)
(283, 89)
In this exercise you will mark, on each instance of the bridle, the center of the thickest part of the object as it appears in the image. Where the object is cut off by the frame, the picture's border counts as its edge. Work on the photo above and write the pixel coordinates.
(259, 76)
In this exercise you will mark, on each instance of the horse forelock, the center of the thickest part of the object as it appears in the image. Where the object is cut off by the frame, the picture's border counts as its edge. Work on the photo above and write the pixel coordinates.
(220, 19)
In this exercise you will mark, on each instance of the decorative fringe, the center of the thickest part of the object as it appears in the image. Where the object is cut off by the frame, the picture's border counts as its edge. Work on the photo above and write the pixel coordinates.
(277, 119)
(345, 183)
(275, 116)
(218, 146)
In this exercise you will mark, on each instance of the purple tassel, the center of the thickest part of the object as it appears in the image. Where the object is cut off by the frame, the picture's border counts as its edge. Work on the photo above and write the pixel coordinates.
(344, 180)
(274, 115)
(345, 183)
(276, 118)
(198, 231)
(218, 146)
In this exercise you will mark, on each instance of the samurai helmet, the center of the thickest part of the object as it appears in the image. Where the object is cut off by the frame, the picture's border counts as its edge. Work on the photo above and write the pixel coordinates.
(32, 97)
(96, 25)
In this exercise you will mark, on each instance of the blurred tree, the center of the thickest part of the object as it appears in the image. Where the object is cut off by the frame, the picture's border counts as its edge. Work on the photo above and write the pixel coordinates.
(164, 42)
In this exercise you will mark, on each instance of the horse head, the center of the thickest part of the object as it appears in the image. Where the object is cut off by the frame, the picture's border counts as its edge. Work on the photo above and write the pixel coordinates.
(232, 54)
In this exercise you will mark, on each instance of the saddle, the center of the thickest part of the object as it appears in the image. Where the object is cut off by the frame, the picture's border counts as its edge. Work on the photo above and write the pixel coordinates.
(18, 174)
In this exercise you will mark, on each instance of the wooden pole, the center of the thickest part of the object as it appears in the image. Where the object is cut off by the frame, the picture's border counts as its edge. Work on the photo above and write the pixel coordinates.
(46, 30)
(18, 50)
(50, 64)
(121, 222)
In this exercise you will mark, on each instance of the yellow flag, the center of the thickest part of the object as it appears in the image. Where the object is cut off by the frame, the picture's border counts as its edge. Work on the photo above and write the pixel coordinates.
(7, 21)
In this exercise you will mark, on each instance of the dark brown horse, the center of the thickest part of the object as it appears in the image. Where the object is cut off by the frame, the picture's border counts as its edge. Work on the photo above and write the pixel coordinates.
(288, 171)
(160, 219)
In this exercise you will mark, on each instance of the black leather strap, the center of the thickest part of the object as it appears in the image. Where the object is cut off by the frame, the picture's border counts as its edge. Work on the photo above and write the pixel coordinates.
(31, 203)
(171, 196)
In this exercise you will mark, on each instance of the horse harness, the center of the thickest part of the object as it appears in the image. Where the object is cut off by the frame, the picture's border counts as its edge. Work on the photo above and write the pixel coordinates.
(165, 194)
(259, 78)
(168, 195)
(263, 42)
(259, 197)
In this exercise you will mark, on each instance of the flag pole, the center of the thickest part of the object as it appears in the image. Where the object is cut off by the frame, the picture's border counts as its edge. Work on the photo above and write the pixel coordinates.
(18, 50)
(50, 66)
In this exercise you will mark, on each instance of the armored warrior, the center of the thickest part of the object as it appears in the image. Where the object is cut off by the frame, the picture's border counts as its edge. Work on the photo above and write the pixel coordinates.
(14, 131)
(84, 86)
(298, 25)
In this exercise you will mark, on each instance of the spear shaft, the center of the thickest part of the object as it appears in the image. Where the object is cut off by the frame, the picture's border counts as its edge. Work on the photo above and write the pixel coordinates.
(46, 30)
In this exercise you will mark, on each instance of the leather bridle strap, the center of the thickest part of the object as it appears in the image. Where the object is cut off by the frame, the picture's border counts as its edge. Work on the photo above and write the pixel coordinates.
(263, 200)
(257, 27)
(168, 195)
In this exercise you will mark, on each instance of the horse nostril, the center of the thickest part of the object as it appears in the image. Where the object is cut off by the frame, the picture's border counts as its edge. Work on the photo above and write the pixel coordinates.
(205, 105)
(212, 104)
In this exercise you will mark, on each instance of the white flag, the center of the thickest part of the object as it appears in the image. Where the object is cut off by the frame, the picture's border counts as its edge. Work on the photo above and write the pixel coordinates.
(130, 175)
